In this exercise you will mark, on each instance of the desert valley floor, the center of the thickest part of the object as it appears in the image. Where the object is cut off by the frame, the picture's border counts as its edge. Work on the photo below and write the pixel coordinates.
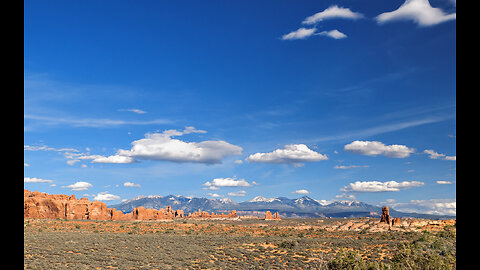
(239, 244)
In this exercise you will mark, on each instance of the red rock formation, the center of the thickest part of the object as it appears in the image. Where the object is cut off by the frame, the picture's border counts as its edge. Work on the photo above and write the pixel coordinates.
(385, 215)
(232, 214)
(269, 216)
(396, 221)
(179, 213)
(43, 205)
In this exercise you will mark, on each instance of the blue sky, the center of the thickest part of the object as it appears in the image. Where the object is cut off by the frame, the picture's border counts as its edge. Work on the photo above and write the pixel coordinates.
(336, 100)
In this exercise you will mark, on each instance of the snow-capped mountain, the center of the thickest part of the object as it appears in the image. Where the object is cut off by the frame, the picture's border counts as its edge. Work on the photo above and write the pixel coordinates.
(301, 207)
(263, 199)
(228, 201)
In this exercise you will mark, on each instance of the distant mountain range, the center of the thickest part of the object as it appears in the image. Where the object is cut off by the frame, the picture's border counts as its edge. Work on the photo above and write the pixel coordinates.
(304, 207)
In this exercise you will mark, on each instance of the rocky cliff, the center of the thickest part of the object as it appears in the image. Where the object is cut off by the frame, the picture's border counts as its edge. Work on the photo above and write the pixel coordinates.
(46, 206)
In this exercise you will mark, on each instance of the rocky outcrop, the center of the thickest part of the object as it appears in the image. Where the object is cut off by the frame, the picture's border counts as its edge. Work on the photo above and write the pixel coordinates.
(372, 225)
(203, 214)
(269, 216)
(396, 221)
(385, 218)
(385, 215)
(45, 206)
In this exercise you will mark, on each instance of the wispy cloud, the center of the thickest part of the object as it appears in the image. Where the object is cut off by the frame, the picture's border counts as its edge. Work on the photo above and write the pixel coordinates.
(240, 193)
(47, 148)
(434, 155)
(381, 129)
(36, 180)
(418, 11)
(137, 111)
(301, 33)
(333, 12)
(335, 34)
(304, 33)
(91, 122)
(346, 167)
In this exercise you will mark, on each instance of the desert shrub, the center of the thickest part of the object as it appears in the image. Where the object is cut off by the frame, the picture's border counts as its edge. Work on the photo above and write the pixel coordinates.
(410, 257)
(287, 244)
(352, 260)
(428, 251)
(447, 232)
(346, 260)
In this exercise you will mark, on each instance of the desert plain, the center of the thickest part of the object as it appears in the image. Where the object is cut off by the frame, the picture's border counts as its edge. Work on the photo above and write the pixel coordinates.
(239, 243)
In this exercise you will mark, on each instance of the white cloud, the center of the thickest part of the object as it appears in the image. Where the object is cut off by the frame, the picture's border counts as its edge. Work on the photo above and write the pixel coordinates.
(300, 33)
(346, 167)
(293, 154)
(72, 162)
(435, 155)
(36, 180)
(104, 196)
(210, 187)
(301, 191)
(99, 159)
(237, 193)
(376, 186)
(114, 159)
(303, 33)
(161, 146)
(26, 165)
(335, 34)
(374, 148)
(331, 13)
(130, 184)
(432, 207)
(215, 195)
(419, 11)
(228, 182)
(79, 186)
(440, 182)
